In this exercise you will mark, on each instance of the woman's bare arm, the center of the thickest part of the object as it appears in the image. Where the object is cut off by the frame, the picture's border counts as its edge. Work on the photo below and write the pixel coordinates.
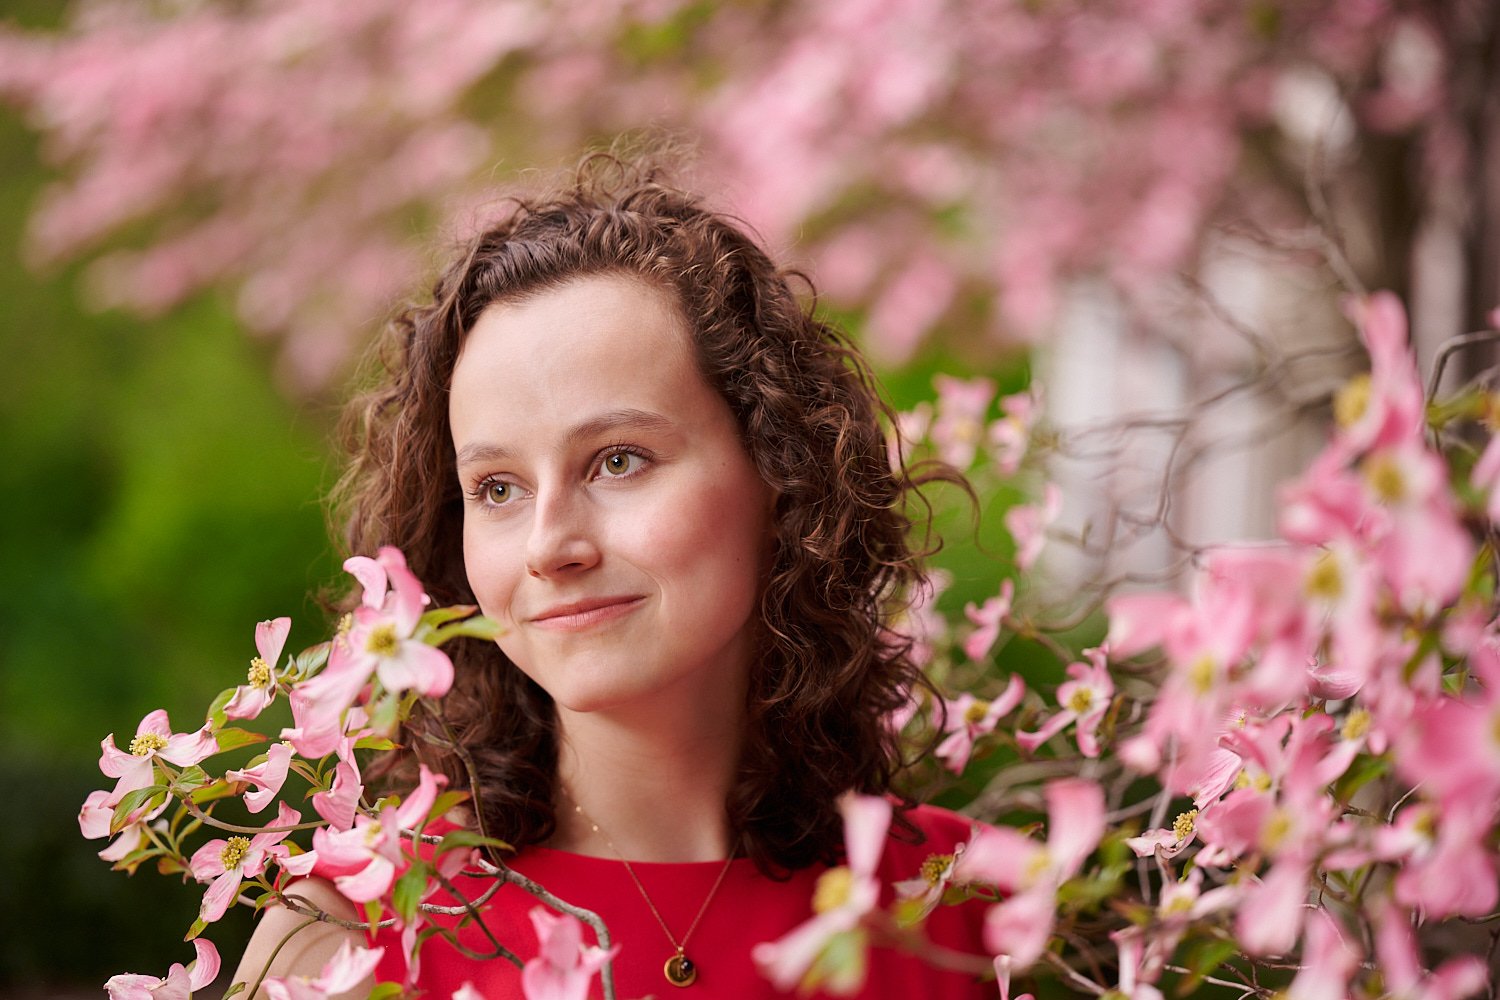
(309, 948)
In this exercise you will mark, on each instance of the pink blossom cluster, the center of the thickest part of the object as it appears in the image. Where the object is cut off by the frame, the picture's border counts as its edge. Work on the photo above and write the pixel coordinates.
(282, 149)
(385, 653)
(1364, 642)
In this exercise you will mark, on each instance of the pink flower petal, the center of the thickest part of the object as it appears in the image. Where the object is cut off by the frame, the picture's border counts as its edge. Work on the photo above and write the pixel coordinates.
(866, 820)
(270, 639)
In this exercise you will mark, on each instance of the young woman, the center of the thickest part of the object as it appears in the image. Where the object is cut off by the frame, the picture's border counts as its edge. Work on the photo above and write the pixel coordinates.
(618, 431)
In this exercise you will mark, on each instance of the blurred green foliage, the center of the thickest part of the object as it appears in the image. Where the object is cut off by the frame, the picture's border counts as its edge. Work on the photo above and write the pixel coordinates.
(159, 497)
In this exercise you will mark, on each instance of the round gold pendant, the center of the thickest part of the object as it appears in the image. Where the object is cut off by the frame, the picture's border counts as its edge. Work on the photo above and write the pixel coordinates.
(680, 970)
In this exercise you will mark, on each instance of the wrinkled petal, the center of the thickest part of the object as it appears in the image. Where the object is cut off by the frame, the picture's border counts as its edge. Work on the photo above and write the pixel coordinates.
(371, 577)
(220, 895)
(338, 804)
(270, 639)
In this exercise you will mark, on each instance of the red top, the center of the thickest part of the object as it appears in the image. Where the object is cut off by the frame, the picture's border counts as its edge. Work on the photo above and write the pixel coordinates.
(748, 909)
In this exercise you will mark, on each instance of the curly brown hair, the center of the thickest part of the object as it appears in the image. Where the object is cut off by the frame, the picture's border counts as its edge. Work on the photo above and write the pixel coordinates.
(810, 419)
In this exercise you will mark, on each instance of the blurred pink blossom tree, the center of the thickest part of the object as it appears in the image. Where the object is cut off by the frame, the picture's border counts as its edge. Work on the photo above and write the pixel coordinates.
(941, 160)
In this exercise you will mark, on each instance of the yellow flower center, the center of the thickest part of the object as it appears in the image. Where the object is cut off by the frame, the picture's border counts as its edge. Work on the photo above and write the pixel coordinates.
(1182, 826)
(976, 712)
(1081, 701)
(346, 622)
(936, 868)
(1352, 400)
(260, 673)
(833, 889)
(372, 834)
(1201, 674)
(1276, 830)
(383, 641)
(1386, 479)
(234, 852)
(1178, 905)
(1357, 724)
(1324, 579)
(143, 744)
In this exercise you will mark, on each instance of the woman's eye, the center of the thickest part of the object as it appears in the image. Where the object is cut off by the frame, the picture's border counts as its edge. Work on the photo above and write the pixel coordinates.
(495, 492)
(620, 463)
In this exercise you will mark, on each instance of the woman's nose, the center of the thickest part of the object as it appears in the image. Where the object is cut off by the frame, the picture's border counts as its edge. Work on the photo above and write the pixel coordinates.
(562, 536)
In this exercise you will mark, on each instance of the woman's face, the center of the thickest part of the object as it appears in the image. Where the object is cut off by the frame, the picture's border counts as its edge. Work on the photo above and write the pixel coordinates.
(613, 522)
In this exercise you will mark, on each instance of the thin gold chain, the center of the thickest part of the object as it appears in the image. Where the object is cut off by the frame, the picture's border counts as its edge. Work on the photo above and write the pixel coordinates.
(679, 946)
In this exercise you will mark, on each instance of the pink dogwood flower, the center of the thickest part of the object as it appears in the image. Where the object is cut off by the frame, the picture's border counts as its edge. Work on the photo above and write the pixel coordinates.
(967, 718)
(227, 863)
(1084, 699)
(1031, 872)
(97, 813)
(180, 982)
(988, 620)
(350, 966)
(267, 776)
(844, 896)
(1431, 844)
(153, 738)
(1010, 435)
(959, 427)
(1387, 407)
(364, 859)
(381, 638)
(564, 966)
(1028, 523)
(252, 697)
(920, 622)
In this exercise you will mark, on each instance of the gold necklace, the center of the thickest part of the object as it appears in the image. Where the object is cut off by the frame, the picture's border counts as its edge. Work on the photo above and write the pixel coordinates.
(679, 969)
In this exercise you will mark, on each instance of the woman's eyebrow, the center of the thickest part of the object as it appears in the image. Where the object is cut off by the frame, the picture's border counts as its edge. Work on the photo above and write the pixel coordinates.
(614, 420)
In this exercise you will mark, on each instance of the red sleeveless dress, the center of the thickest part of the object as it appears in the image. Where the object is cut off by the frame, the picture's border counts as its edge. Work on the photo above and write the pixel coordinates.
(748, 909)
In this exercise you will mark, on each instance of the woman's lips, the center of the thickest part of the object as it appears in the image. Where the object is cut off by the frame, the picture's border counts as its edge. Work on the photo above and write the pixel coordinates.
(582, 615)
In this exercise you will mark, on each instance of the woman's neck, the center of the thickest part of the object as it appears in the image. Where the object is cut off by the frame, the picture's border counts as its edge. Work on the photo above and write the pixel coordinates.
(655, 791)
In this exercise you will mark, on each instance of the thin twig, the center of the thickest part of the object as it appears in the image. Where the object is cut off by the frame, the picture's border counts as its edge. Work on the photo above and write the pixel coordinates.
(276, 951)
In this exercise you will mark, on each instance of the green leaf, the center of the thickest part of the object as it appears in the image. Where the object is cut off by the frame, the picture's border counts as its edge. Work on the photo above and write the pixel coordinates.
(458, 839)
(233, 738)
(220, 789)
(190, 779)
(442, 616)
(1364, 770)
(234, 990)
(170, 866)
(134, 800)
(408, 891)
(383, 712)
(216, 716)
(1202, 959)
(312, 658)
(130, 862)
(379, 743)
(372, 913)
(444, 802)
(478, 627)
(199, 926)
(382, 991)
